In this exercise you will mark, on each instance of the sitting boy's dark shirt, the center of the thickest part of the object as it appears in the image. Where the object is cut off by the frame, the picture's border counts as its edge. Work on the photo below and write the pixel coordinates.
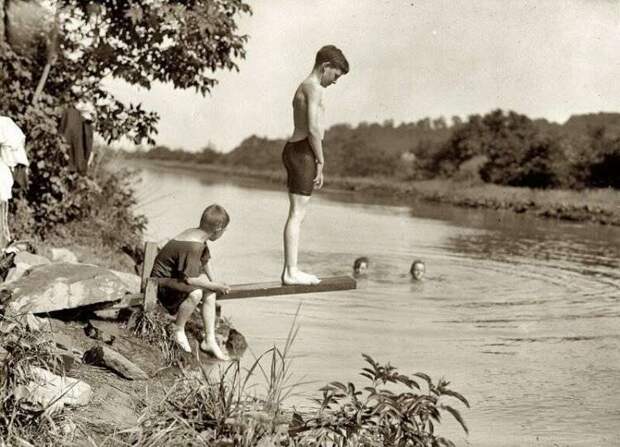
(180, 260)
(176, 262)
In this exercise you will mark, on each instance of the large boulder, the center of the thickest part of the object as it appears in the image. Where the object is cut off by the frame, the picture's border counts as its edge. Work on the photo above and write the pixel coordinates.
(54, 287)
(29, 259)
(62, 255)
(23, 261)
(130, 280)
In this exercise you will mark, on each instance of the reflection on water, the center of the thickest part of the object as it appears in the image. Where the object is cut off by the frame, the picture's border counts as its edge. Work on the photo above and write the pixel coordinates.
(521, 315)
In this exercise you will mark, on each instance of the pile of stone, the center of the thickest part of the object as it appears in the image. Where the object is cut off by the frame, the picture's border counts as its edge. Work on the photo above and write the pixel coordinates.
(37, 287)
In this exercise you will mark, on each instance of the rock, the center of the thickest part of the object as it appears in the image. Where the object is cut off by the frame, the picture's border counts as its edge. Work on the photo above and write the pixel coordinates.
(54, 287)
(68, 428)
(104, 356)
(63, 255)
(4, 354)
(47, 388)
(97, 333)
(116, 407)
(22, 262)
(7, 326)
(16, 272)
(235, 343)
(31, 322)
(66, 359)
(112, 313)
(24, 257)
(123, 310)
(131, 281)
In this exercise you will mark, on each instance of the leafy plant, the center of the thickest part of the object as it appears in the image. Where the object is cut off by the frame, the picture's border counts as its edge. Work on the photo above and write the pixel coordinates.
(378, 415)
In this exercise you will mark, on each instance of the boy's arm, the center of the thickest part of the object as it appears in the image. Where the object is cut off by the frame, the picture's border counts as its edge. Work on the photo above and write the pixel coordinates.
(313, 100)
(205, 282)
(208, 269)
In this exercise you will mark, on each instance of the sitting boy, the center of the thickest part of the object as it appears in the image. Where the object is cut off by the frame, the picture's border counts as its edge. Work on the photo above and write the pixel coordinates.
(186, 277)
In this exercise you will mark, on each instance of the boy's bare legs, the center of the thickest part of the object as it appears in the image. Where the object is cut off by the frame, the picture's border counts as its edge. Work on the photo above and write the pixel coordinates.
(183, 315)
(209, 344)
(297, 211)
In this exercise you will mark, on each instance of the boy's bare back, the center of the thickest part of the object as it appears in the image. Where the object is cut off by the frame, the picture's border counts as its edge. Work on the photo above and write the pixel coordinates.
(308, 98)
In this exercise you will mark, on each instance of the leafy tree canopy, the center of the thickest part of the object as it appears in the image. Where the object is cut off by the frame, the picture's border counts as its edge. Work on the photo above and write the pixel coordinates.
(74, 45)
(139, 41)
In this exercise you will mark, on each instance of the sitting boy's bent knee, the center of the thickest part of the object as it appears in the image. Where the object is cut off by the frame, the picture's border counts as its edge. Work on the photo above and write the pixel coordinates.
(195, 296)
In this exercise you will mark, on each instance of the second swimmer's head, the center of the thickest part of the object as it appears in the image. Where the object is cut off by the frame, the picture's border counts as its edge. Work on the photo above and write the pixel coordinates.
(417, 269)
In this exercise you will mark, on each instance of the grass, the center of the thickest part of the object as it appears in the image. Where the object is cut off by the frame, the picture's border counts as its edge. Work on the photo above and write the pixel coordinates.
(23, 423)
(154, 327)
(221, 406)
(224, 404)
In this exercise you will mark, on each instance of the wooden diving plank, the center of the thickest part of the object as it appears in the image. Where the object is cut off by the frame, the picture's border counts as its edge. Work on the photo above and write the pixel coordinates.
(238, 291)
(264, 289)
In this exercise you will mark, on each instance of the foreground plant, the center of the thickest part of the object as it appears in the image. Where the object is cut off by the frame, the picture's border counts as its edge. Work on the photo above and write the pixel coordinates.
(220, 407)
(379, 415)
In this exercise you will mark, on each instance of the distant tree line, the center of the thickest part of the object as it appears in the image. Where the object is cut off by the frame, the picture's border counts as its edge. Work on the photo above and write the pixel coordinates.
(499, 147)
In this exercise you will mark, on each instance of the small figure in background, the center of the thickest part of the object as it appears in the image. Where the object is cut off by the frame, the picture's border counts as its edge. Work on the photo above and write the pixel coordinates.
(360, 266)
(417, 270)
(76, 125)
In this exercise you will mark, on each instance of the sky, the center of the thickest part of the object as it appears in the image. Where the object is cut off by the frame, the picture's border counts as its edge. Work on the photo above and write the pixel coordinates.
(409, 59)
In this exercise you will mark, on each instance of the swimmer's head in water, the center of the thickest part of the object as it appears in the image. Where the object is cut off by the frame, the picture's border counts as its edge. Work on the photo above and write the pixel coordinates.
(417, 270)
(360, 266)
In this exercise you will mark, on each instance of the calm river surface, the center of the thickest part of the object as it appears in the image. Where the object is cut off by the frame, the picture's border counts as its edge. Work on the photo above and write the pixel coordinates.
(521, 315)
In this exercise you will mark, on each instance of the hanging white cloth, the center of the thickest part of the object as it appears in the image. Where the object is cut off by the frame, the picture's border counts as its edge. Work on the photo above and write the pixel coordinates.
(12, 153)
(6, 181)
(13, 143)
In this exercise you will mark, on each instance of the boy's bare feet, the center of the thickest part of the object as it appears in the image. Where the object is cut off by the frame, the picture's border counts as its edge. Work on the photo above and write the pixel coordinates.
(292, 277)
(211, 347)
(181, 339)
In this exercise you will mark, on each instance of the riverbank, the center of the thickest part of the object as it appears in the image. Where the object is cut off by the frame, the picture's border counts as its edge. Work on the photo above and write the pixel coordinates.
(601, 206)
(74, 372)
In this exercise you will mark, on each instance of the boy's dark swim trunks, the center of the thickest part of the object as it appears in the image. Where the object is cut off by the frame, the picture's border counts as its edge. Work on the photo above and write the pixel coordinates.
(300, 164)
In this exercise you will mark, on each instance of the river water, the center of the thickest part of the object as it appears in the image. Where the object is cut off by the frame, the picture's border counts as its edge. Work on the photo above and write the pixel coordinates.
(521, 315)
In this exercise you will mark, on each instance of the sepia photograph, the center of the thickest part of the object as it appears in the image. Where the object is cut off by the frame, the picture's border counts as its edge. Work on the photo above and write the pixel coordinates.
(310, 223)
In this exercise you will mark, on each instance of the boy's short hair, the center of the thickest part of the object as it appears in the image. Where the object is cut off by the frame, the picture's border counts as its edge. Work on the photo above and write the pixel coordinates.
(214, 217)
(333, 55)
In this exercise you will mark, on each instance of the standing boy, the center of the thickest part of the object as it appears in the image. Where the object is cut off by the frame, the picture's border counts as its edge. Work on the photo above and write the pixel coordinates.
(186, 278)
(303, 153)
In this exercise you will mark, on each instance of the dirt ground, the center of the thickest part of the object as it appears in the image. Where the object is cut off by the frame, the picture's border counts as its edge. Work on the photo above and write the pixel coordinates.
(117, 402)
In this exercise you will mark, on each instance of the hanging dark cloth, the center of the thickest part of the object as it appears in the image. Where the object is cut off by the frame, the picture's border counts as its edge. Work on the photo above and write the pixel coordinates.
(78, 133)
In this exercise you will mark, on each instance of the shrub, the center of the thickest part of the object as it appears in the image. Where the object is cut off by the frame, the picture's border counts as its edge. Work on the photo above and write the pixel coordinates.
(379, 416)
